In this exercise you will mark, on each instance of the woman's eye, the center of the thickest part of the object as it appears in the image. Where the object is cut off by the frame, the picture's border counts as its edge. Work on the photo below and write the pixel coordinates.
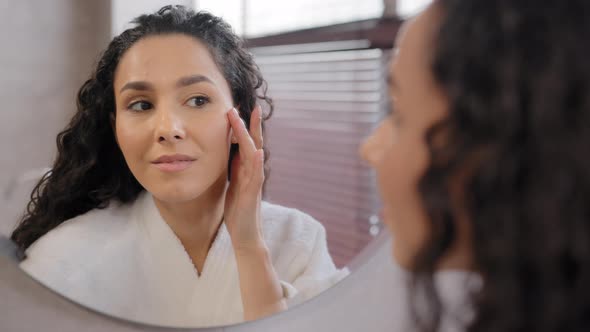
(393, 112)
(140, 106)
(198, 101)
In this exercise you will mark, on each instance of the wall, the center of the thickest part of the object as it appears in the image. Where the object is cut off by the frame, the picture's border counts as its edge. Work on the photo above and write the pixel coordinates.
(48, 49)
(123, 11)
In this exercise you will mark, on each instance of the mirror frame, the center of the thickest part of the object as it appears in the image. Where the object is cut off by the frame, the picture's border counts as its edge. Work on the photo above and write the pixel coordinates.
(365, 300)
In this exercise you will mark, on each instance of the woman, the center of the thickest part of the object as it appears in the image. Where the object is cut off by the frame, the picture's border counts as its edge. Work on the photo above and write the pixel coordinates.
(142, 216)
(483, 164)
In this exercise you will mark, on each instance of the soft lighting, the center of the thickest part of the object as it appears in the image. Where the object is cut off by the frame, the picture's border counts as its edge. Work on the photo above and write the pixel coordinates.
(263, 17)
(406, 8)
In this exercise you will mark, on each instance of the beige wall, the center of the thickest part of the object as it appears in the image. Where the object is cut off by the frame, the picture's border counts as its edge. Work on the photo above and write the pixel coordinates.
(123, 11)
(47, 49)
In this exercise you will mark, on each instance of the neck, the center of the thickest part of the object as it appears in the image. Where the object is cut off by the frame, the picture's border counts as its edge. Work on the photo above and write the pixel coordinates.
(196, 222)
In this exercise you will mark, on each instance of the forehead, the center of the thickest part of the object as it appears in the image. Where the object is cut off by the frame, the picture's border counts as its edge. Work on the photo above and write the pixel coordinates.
(162, 57)
(414, 43)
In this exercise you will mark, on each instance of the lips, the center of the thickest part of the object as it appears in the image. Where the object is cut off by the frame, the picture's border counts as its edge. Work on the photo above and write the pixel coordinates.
(173, 158)
(173, 163)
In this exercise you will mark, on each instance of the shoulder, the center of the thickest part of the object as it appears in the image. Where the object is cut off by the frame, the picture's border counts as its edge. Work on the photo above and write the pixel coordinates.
(290, 225)
(93, 226)
(298, 247)
(76, 239)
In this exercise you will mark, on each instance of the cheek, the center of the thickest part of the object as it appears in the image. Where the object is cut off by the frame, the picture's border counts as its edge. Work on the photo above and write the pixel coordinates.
(131, 138)
(400, 169)
(212, 134)
(399, 173)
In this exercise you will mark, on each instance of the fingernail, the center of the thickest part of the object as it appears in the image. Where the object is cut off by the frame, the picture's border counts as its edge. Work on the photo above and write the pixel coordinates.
(238, 115)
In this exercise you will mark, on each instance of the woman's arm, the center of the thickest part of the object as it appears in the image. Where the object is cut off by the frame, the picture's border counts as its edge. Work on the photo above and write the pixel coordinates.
(262, 294)
(261, 290)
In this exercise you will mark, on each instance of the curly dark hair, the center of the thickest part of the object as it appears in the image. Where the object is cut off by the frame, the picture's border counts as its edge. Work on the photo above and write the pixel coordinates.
(517, 74)
(89, 170)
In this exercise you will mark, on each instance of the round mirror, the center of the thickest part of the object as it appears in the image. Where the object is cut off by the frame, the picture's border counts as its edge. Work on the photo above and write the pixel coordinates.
(132, 215)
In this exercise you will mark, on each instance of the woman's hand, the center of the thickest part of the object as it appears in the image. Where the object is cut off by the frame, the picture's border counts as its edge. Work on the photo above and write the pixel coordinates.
(242, 204)
(260, 288)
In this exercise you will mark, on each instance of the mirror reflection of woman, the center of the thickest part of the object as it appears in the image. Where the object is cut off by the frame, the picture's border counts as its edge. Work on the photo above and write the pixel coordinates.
(484, 166)
(152, 210)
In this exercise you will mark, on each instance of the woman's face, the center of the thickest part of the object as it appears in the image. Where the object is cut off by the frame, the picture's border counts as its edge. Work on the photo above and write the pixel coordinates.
(397, 149)
(170, 121)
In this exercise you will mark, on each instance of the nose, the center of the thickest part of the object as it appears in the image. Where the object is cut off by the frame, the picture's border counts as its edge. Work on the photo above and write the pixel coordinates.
(371, 149)
(169, 127)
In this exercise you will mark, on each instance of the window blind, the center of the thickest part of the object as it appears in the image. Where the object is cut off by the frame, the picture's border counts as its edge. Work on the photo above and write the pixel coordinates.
(326, 103)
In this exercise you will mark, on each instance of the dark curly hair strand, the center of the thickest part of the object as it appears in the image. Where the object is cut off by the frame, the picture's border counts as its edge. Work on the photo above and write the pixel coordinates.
(518, 78)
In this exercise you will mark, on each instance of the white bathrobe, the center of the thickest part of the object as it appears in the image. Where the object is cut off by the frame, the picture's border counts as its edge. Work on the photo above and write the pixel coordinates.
(126, 261)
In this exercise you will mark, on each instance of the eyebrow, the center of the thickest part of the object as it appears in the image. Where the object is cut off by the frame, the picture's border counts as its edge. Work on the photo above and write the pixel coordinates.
(194, 79)
(182, 82)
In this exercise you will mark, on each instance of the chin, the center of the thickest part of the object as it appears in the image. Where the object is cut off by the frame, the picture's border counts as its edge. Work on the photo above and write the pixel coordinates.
(402, 260)
(175, 194)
